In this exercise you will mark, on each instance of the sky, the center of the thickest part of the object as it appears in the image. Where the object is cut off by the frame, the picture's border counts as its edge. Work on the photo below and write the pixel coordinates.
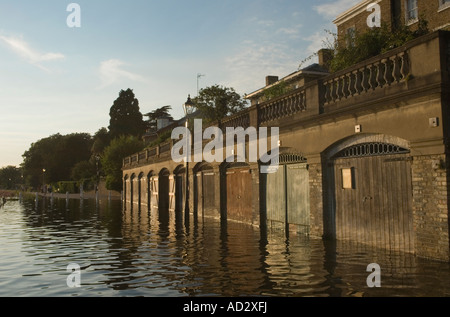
(60, 79)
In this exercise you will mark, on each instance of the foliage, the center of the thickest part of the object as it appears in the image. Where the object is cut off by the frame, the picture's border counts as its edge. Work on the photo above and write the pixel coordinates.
(10, 177)
(276, 90)
(100, 142)
(113, 156)
(56, 154)
(154, 115)
(217, 102)
(125, 116)
(161, 138)
(64, 187)
(83, 170)
(371, 43)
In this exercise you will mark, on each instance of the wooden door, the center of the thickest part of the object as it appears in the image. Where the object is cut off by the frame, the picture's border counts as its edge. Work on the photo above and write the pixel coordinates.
(208, 192)
(179, 192)
(276, 198)
(297, 190)
(373, 196)
(239, 194)
(287, 197)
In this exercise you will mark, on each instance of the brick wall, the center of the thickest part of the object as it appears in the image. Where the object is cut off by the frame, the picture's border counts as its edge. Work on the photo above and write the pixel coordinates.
(430, 207)
(316, 199)
(437, 17)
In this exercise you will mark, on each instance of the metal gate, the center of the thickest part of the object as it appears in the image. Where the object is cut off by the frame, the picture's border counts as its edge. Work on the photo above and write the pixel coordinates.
(373, 196)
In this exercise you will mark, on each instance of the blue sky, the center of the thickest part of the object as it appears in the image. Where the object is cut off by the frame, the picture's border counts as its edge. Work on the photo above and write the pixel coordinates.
(56, 79)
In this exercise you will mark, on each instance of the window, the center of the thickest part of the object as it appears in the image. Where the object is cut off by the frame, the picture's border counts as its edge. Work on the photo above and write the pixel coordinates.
(350, 36)
(412, 14)
(443, 4)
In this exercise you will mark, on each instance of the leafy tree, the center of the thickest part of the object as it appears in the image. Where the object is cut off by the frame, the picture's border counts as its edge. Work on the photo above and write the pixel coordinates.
(100, 142)
(83, 170)
(113, 156)
(125, 116)
(217, 102)
(10, 177)
(154, 115)
(56, 154)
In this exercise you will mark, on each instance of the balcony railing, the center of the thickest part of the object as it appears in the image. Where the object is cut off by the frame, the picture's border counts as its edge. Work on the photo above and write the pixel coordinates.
(379, 72)
(283, 106)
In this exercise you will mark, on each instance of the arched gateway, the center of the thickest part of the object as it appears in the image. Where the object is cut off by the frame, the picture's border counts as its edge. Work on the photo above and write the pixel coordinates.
(369, 192)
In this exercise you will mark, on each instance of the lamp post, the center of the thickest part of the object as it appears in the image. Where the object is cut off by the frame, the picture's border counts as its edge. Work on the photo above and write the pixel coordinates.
(97, 159)
(188, 108)
(43, 181)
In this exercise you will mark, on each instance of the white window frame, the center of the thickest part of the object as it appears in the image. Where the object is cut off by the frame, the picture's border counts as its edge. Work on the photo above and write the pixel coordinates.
(408, 10)
(443, 4)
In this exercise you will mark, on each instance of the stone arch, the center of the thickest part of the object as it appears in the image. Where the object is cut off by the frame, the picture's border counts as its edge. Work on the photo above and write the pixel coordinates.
(363, 138)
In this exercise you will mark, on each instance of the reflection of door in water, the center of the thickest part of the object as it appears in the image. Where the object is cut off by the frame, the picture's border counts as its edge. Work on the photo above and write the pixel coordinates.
(239, 194)
(373, 197)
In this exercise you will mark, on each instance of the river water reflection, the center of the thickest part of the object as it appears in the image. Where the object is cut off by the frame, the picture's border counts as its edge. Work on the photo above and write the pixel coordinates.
(137, 254)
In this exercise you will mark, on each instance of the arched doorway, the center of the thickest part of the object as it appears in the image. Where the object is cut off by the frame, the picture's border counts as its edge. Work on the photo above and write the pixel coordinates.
(179, 189)
(150, 191)
(369, 192)
(139, 190)
(132, 180)
(125, 187)
(163, 190)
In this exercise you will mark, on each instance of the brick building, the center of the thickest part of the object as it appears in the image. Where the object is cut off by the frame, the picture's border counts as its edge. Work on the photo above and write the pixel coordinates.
(394, 13)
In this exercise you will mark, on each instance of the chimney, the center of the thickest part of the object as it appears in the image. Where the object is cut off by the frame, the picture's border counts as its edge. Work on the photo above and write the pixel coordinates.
(325, 56)
(271, 80)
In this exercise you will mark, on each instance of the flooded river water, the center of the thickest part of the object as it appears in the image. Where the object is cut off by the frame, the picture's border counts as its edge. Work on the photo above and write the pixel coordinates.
(142, 254)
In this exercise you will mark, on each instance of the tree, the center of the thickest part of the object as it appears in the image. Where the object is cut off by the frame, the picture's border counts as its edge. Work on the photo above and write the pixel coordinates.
(100, 142)
(113, 156)
(125, 116)
(154, 115)
(217, 102)
(56, 154)
(10, 177)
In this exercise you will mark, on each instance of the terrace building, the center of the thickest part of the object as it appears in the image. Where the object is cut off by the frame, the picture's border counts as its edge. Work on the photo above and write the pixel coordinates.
(364, 152)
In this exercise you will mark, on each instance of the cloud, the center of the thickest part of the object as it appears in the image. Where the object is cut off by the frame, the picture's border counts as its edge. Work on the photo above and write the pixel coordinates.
(333, 9)
(30, 55)
(290, 31)
(111, 72)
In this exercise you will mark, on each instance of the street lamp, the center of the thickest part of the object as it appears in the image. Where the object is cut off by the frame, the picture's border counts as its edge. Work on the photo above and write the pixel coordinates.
(43, 181)
(188, 108)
